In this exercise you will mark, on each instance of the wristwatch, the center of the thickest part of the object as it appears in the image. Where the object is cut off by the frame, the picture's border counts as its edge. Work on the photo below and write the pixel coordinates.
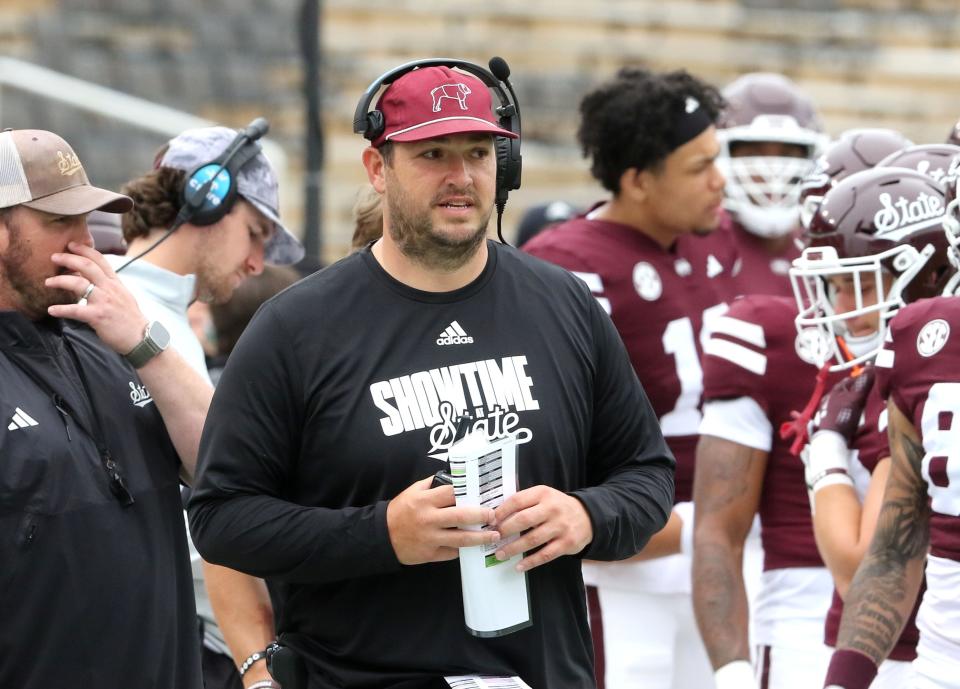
(155, 340)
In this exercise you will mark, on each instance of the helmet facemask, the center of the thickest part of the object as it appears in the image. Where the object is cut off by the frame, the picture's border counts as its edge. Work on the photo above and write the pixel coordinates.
(951, 227)
(811, 276)
(763, 192)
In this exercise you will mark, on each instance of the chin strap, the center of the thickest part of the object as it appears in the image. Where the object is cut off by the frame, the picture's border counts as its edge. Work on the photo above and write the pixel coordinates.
(858, 369)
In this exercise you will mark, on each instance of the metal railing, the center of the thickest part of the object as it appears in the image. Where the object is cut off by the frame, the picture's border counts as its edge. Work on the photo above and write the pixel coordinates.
(108, 103)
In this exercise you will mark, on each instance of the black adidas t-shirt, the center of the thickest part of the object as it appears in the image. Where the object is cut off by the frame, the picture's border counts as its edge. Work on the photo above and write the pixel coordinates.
(333, 403)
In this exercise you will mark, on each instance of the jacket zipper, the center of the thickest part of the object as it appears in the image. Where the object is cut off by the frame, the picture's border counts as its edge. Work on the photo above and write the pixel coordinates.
(58, 403)
(28, 530)
(115, 480)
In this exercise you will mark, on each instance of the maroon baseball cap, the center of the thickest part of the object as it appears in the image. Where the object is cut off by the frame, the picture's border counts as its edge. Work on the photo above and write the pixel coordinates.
(39, 170)
(436, 101)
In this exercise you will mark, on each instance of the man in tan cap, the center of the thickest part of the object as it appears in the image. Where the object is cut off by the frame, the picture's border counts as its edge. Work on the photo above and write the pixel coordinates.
(99, 421)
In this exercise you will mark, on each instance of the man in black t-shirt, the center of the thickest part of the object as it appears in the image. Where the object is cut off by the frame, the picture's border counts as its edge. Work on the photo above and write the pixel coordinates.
(337, 406)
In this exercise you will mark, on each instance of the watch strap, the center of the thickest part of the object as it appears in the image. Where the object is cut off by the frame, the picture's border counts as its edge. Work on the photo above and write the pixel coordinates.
(145, 351)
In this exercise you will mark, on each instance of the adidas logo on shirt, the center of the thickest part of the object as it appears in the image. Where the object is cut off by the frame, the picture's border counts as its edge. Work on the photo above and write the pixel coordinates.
(454, 335)
(21, 419)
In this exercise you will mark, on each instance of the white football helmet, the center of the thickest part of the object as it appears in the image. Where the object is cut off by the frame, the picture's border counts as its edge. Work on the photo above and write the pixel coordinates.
(762, 191)
(883, 226)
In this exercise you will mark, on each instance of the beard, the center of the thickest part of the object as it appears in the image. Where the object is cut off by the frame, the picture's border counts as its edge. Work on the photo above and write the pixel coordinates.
(214, 285)
(413, 232)
(28, 293)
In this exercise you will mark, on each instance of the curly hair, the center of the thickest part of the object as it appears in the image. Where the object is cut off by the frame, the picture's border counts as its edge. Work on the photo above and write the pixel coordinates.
(626, 122)
(156, 201)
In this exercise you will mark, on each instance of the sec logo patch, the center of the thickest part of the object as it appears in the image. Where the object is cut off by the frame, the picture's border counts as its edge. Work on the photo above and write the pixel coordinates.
(933, 336)
(646, 281)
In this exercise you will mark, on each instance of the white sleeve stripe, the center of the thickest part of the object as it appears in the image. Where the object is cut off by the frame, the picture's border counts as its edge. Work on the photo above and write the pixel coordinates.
(884, 358)
(592, 279)
(737, 354)
(750, 333)
(739, 420)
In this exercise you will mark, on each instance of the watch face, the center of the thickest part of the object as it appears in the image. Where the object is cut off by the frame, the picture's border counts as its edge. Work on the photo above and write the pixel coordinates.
(159, 334)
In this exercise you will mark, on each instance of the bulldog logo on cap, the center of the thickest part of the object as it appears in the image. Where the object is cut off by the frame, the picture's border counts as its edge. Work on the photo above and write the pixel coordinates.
(410, 115)
(457, 92)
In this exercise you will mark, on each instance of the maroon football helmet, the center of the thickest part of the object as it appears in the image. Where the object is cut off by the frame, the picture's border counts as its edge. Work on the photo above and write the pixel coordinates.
(954, 136)
(762, 190)
(933, 160)
(878, 222)
(855, 150)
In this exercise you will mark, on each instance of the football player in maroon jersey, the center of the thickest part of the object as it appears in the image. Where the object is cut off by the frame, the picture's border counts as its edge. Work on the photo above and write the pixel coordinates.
(870, 266)
(769, 136)
(753, 380)
(919, 521)
(649, 256)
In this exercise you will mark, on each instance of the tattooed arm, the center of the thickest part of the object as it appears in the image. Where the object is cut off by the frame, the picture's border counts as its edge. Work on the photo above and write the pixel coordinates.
(884, 590)
(726, 492)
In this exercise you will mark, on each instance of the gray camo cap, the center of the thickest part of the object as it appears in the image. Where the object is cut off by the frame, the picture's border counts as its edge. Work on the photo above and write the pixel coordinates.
(256, 183)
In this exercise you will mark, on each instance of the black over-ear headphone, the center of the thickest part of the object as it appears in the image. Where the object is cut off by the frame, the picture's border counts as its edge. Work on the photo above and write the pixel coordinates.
(210, 190)
(371, 123)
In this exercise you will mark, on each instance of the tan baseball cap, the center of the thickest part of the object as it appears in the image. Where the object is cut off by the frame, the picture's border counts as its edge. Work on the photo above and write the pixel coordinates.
(39, 170)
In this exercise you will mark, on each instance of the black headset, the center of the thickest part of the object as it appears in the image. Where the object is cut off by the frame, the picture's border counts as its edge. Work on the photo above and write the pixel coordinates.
(210, 190)
(371, 123)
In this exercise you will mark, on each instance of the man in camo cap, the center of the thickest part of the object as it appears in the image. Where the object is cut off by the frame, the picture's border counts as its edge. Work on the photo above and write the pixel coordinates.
(207, 261)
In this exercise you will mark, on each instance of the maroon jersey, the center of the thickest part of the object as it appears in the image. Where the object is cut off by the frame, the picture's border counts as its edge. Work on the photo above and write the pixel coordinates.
(871, 446)
(659, 300)
(919, 370)
(753, 353)
(758, 271)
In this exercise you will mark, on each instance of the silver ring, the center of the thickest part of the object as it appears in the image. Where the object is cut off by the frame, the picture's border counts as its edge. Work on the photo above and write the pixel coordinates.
(86, 295)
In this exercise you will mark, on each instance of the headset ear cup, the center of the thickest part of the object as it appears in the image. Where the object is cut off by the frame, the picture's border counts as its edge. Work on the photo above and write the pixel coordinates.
(502, 153)
(508, 166)
(375, 125)
(208, 214)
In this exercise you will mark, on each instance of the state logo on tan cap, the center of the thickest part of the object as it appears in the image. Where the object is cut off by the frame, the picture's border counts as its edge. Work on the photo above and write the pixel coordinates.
(39, 170)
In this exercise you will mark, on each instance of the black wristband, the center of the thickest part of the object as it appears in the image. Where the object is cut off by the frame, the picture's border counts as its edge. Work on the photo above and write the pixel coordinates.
(850, 670)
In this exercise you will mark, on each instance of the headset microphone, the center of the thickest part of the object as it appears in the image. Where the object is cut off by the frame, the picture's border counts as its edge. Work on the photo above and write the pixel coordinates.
(508, 175)
(257, 129)
(210, 190)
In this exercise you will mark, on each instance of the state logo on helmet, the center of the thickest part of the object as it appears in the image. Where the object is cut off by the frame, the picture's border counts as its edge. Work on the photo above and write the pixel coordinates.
(879, 229)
